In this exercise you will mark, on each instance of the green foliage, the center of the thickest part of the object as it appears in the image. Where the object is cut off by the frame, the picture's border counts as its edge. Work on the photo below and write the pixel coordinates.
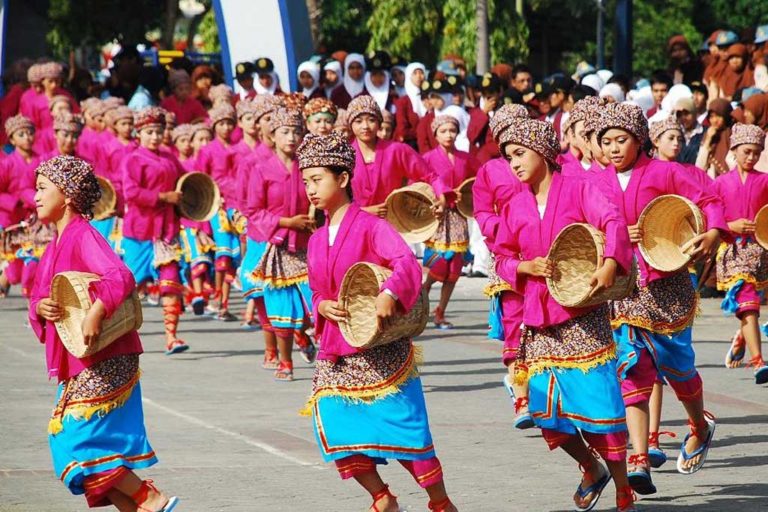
(655, 22)
(405, 27)
(732, 14)
(210, 33)
(343, 24)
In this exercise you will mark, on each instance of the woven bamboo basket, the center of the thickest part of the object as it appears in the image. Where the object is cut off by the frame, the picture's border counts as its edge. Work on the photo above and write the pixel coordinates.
(466, 205)
(70, 289)
(577, 253)
(105, 207)
(761, 227)
(200, 198)
(668, 222)
(359, 289)
(409, 210)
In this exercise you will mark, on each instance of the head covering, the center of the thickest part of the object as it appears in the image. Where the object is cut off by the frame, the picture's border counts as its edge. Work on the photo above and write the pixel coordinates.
(729, 80)
(505, 116)
(624, 116)
(149, 116)
(594, 81)
(177, 77)
(379, 93)
(320, 106)
(722, 107)
(643, 97)
(314, 70)
(76, 180)
(533, 134)
(614, 91)
(114, 115)
(330, 150)
(58, 98)
(220, 93)
(265, 66)
(758, 106)
(583, 68)
(725, 38)
(440, 120)
(658, 128)
(684, 104)
(387, 117)
(50, 70)
(747, 134)
(183, 130)
(69, 122)
(244, 70)
(113, 102)
(265, 104)
(490, 83)
(88, 104)
(222, 112)
(201, 127)
(342, 120)
(286, 117)
(363, 105)
(33, 74)
(245, 106)
(293, 101)
(413, 92)
(761, 34)
(593, 112)
(16, 123)
(335, 66)
(353, 87)
(581, 111)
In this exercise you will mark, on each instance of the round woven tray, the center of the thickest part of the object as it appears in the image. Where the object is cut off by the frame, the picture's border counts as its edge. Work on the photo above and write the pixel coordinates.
(577, 253)
(761, 227)
(200, 196)
(105, 207)
(359, 289)
(466, 205)
(668, 222)
(70, 290)
(409, 210)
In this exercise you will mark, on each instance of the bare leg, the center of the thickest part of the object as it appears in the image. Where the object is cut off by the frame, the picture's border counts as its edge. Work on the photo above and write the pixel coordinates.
(637, 424)
(250, 308)
(437, 493)
(655, 403)
(171, 309)
(121, 502)
(130, 485)
(226, 286)
(577, 449)
(445, 295)
(372, 482)
(428, 282)
(285, 348)
(750, 329)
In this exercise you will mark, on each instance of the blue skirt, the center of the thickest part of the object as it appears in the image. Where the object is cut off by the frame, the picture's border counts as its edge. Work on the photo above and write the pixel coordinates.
(392, 427)
(673, 355)
(570, 399)
(107, 229)
(252, 288)
(224, 235)
(287, 307)
(139, 257)
(495, 323)
(102, 443)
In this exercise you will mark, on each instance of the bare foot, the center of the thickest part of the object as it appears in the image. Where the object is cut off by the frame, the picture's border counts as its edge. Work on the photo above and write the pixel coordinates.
(385, 504)
(155, 501)
(693, 444)
(589, 478)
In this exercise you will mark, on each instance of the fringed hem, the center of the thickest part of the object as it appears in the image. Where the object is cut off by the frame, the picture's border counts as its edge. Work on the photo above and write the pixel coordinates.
(491, 290)
(524, 370)
(665, 328)
(280, 282)
(84, 410)
(369, 394)
(456, 247)
(724, 286)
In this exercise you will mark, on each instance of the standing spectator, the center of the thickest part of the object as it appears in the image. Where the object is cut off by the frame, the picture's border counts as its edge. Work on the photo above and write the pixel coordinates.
(661, 83)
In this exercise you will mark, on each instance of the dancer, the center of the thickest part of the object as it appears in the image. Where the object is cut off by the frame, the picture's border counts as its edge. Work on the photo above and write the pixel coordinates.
(96, 432)
(378, 390)
(567, 354)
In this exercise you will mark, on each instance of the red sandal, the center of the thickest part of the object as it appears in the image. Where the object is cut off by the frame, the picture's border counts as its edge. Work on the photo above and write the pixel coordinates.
(140, 497)
(440, 506)
(384, 493)
(625, 500)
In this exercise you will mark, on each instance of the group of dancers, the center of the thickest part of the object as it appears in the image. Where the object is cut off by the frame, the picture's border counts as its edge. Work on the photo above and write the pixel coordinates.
(303, 198)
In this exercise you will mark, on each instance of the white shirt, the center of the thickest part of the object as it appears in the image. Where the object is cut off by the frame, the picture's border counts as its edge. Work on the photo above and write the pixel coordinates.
(332, 232)
(542, 208)
(624, 179)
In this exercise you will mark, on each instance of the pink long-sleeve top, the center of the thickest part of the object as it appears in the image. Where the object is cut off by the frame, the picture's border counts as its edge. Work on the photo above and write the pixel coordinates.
(452, 174)
(89, 146)
(27, 103)
(113, 154)
(41, 114)
(649, 180)
(494, 187)
(741, 199)
(570, 165)
(17, 188)
(187, 111)
(523, 235)
(393, 164)
(146, 174)
(81, 248)
(218, 161)
(45, 141)
(361, 237)
(273, 192)
(245, 166)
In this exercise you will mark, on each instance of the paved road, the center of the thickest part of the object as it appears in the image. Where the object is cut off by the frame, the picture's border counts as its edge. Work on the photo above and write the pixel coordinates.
(230, 439)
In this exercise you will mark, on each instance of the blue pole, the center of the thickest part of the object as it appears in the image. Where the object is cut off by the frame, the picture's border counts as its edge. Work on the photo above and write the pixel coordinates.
(226, 59)
(622, 57)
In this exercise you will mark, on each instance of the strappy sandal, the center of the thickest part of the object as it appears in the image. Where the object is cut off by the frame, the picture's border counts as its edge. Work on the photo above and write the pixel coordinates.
(702, 450)
(656, 456)
(140, 497)
(761, 370)
(307, 349)
(175, 347)
(441, 506)
(440, 321)
(625, 500)
(284, 372)
(596, 489)
(640, 477)
(384, 493)
(523, 418)
(736, 351)
(270, 360)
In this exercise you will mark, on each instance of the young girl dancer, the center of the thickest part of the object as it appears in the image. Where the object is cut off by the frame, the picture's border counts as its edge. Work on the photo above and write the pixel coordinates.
(96, 432)
(742, 264)
(151, 224)
(652, 327)
(279, 224)
(444, 255)
(567, 354)
(365, 388)
(320, 116)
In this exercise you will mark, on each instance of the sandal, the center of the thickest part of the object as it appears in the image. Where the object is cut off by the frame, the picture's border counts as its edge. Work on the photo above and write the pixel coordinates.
(625, 500)
(175, 347)
(270, 360)
(640, 477)
(140, 497)
(702, 450)
(523, 418)
(440, 321)
(761, 369)
(384, 493)
(736, 351)
(284, 372)
(225, 316)
(198, 305)
(656, 455)
(596, 489)
(441, 506)
(307, 349)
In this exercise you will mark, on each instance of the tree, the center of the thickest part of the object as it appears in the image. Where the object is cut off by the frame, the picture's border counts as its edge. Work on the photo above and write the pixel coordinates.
(406, 27)
(343, 25)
